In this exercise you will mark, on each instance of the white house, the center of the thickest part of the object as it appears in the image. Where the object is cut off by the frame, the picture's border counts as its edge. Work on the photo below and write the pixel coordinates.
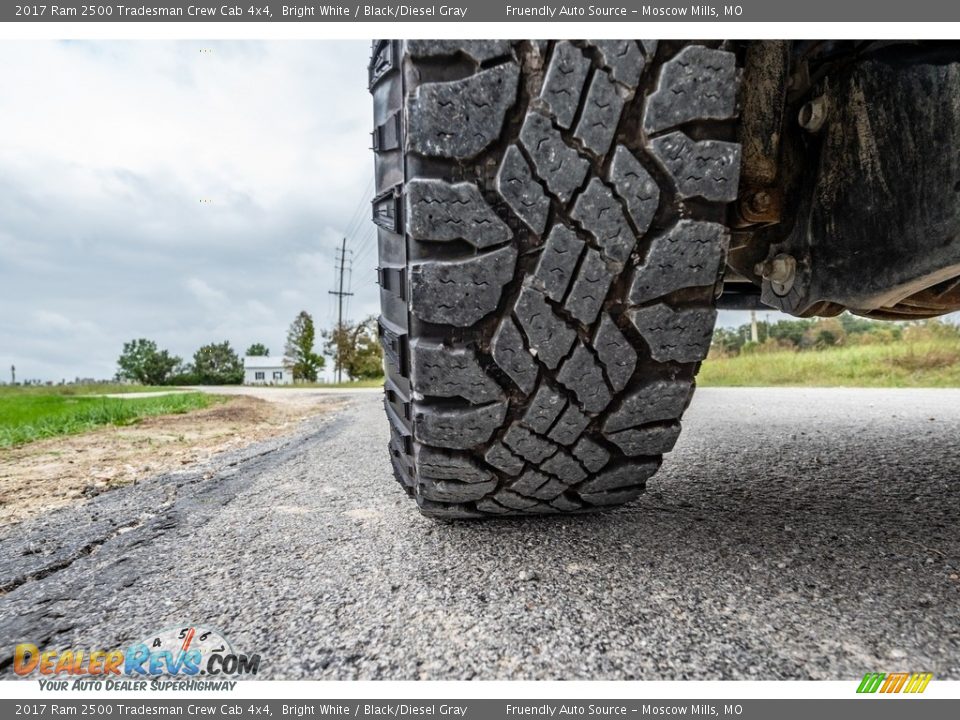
(266, 371)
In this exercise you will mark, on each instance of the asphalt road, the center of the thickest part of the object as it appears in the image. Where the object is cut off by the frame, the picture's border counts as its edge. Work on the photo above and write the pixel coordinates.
(792, 534)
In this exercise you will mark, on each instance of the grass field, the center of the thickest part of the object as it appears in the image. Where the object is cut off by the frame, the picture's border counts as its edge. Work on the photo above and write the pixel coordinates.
(370, 383)
(82, 389)
(31, 415)
(932, 363)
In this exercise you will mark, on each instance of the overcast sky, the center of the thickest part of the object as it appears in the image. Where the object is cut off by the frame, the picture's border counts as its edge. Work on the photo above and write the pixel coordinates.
(108, 150)
(186, 192)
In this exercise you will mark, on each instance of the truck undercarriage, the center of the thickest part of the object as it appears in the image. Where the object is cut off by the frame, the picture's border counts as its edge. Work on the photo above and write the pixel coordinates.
(849, 180)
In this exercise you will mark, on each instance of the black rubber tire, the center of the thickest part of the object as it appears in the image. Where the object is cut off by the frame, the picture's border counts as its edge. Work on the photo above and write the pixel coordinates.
(551, 232)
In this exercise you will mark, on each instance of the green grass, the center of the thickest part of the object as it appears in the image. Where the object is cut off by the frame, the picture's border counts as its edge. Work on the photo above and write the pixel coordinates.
(28, 416)
(931, 363)
(370, 383)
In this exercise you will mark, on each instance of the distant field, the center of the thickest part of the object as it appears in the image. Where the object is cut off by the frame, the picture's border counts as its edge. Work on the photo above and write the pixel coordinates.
(31, 415)
(934, 363)
(371, 383)
(82, 389)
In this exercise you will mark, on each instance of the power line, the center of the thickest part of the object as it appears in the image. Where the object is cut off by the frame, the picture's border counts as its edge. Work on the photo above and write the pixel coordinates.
(358, 216)
(368, 244)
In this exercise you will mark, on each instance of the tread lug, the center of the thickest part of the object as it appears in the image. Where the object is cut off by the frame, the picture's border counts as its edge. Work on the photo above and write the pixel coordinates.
(461, 292)
(461, 118)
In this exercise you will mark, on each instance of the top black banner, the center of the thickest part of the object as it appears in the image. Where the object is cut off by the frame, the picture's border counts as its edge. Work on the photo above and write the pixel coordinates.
(484, 11)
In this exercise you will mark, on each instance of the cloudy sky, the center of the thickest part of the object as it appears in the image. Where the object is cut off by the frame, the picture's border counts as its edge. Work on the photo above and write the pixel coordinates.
(187, 192)
(182, 191)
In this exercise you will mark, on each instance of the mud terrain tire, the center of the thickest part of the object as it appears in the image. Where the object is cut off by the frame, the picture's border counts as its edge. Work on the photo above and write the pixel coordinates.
(552, 235)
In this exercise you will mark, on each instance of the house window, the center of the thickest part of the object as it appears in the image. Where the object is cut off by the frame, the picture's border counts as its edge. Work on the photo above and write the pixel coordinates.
(278, 374)
(259, 375)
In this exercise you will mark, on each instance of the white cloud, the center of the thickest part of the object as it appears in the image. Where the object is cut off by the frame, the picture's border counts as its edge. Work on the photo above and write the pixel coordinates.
(203, 292)
(151, 190)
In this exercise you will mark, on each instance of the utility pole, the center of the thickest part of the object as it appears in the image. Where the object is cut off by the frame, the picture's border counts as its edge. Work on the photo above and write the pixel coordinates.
(13, 374)
(754, 331)
(340, 296)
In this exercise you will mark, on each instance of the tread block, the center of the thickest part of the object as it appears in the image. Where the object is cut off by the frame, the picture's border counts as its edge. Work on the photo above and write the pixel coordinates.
(510, 354)
(569, 427)
(709, 169)
(563, 466)
(437, 464)
(451, 372)
(581, 373)
(635, 472)
(560, 166)
(600, 214)
(636, 186)
(623, 58)
(654, 440)
(543, 409)
(461, 118)
(532, 447)
(688, 255)
(591, 454)
(460, 292)
(527, 483)
(589, 288)
(656, 401)
(445, 511)
(549, 336)
(558, 260)
(514, 501)
(494, 508)
(697, 84)
(601, 114)
(615, 353)
(551, 489)
(500, 457)
(479, 50)
(457, 428)
(564, 82)
(678, 335)
(440, 211)
(565, 504)
(522, 192)
(613, 497)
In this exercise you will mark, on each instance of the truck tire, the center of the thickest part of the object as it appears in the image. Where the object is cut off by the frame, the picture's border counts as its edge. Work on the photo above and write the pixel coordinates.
(552, 237)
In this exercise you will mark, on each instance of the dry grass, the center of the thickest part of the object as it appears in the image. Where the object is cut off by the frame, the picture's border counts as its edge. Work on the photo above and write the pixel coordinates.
(927, 363)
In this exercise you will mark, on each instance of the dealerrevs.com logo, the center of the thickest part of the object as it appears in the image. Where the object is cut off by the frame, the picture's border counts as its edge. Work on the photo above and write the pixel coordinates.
(177, 658)
(910, 683)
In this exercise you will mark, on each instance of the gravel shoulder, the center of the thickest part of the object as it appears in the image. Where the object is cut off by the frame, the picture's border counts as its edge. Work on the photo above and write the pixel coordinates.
(792, 534)
(40, 476)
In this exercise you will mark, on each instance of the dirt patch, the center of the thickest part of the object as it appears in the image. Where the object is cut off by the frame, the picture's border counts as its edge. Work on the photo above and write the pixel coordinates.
(50, 473)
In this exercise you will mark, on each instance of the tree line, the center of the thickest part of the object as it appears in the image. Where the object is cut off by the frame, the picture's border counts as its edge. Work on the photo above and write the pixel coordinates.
(355, 346)
(825, 333)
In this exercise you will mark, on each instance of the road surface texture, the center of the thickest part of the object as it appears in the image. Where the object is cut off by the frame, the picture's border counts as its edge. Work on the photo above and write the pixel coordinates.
(792, 534)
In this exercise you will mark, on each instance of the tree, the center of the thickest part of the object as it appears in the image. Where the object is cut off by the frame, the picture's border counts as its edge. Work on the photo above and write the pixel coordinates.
(358, 347)
(299, 354)
(142, 362)
(217, 364)
(258, 350)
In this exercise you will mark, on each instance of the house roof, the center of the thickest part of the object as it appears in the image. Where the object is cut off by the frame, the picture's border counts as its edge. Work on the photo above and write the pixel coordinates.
(263, 362)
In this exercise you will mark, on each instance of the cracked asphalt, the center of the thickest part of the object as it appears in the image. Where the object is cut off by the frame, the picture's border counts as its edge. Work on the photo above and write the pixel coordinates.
(793, 533)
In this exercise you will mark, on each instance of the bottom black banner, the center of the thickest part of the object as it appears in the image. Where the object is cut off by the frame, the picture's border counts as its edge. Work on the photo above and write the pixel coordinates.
(872, 707)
